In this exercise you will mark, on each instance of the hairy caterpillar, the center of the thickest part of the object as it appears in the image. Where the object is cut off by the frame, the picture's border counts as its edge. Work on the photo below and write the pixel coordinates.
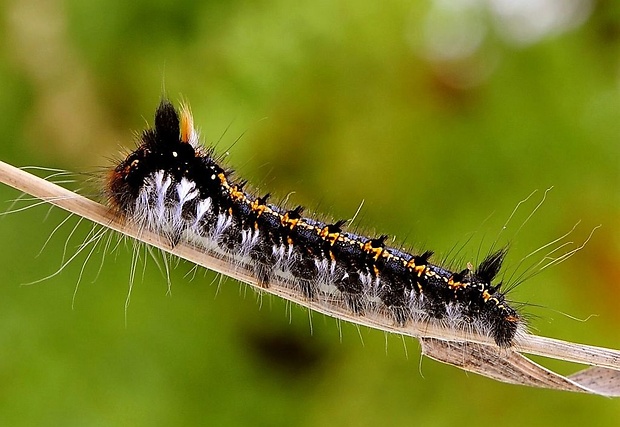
(174, 194)
(171, 185)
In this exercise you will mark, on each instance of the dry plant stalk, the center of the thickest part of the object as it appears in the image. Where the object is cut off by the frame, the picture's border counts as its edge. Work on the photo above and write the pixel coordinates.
(463, 349)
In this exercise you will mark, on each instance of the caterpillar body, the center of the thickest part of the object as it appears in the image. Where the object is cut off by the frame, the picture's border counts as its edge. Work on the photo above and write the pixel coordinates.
(175, 187)
(175, 195)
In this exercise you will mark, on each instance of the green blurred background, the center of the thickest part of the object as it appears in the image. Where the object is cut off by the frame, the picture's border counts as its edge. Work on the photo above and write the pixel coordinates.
(440, 115)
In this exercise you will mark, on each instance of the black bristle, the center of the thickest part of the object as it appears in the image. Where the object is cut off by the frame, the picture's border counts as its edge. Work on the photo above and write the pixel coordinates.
(167, 127)
(423, 259)
(379, 242)
(337, 226)
(263, 200)
(490, 267)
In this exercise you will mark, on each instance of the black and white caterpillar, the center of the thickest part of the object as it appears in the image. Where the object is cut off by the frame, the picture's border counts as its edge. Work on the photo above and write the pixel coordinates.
(175, 187)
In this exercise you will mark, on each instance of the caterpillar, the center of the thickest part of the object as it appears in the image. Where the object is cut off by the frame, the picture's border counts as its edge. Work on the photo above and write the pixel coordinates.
(173, 186)
(173, 193)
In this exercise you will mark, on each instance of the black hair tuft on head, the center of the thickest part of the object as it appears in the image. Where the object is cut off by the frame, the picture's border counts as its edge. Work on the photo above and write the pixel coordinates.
(167, 127)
